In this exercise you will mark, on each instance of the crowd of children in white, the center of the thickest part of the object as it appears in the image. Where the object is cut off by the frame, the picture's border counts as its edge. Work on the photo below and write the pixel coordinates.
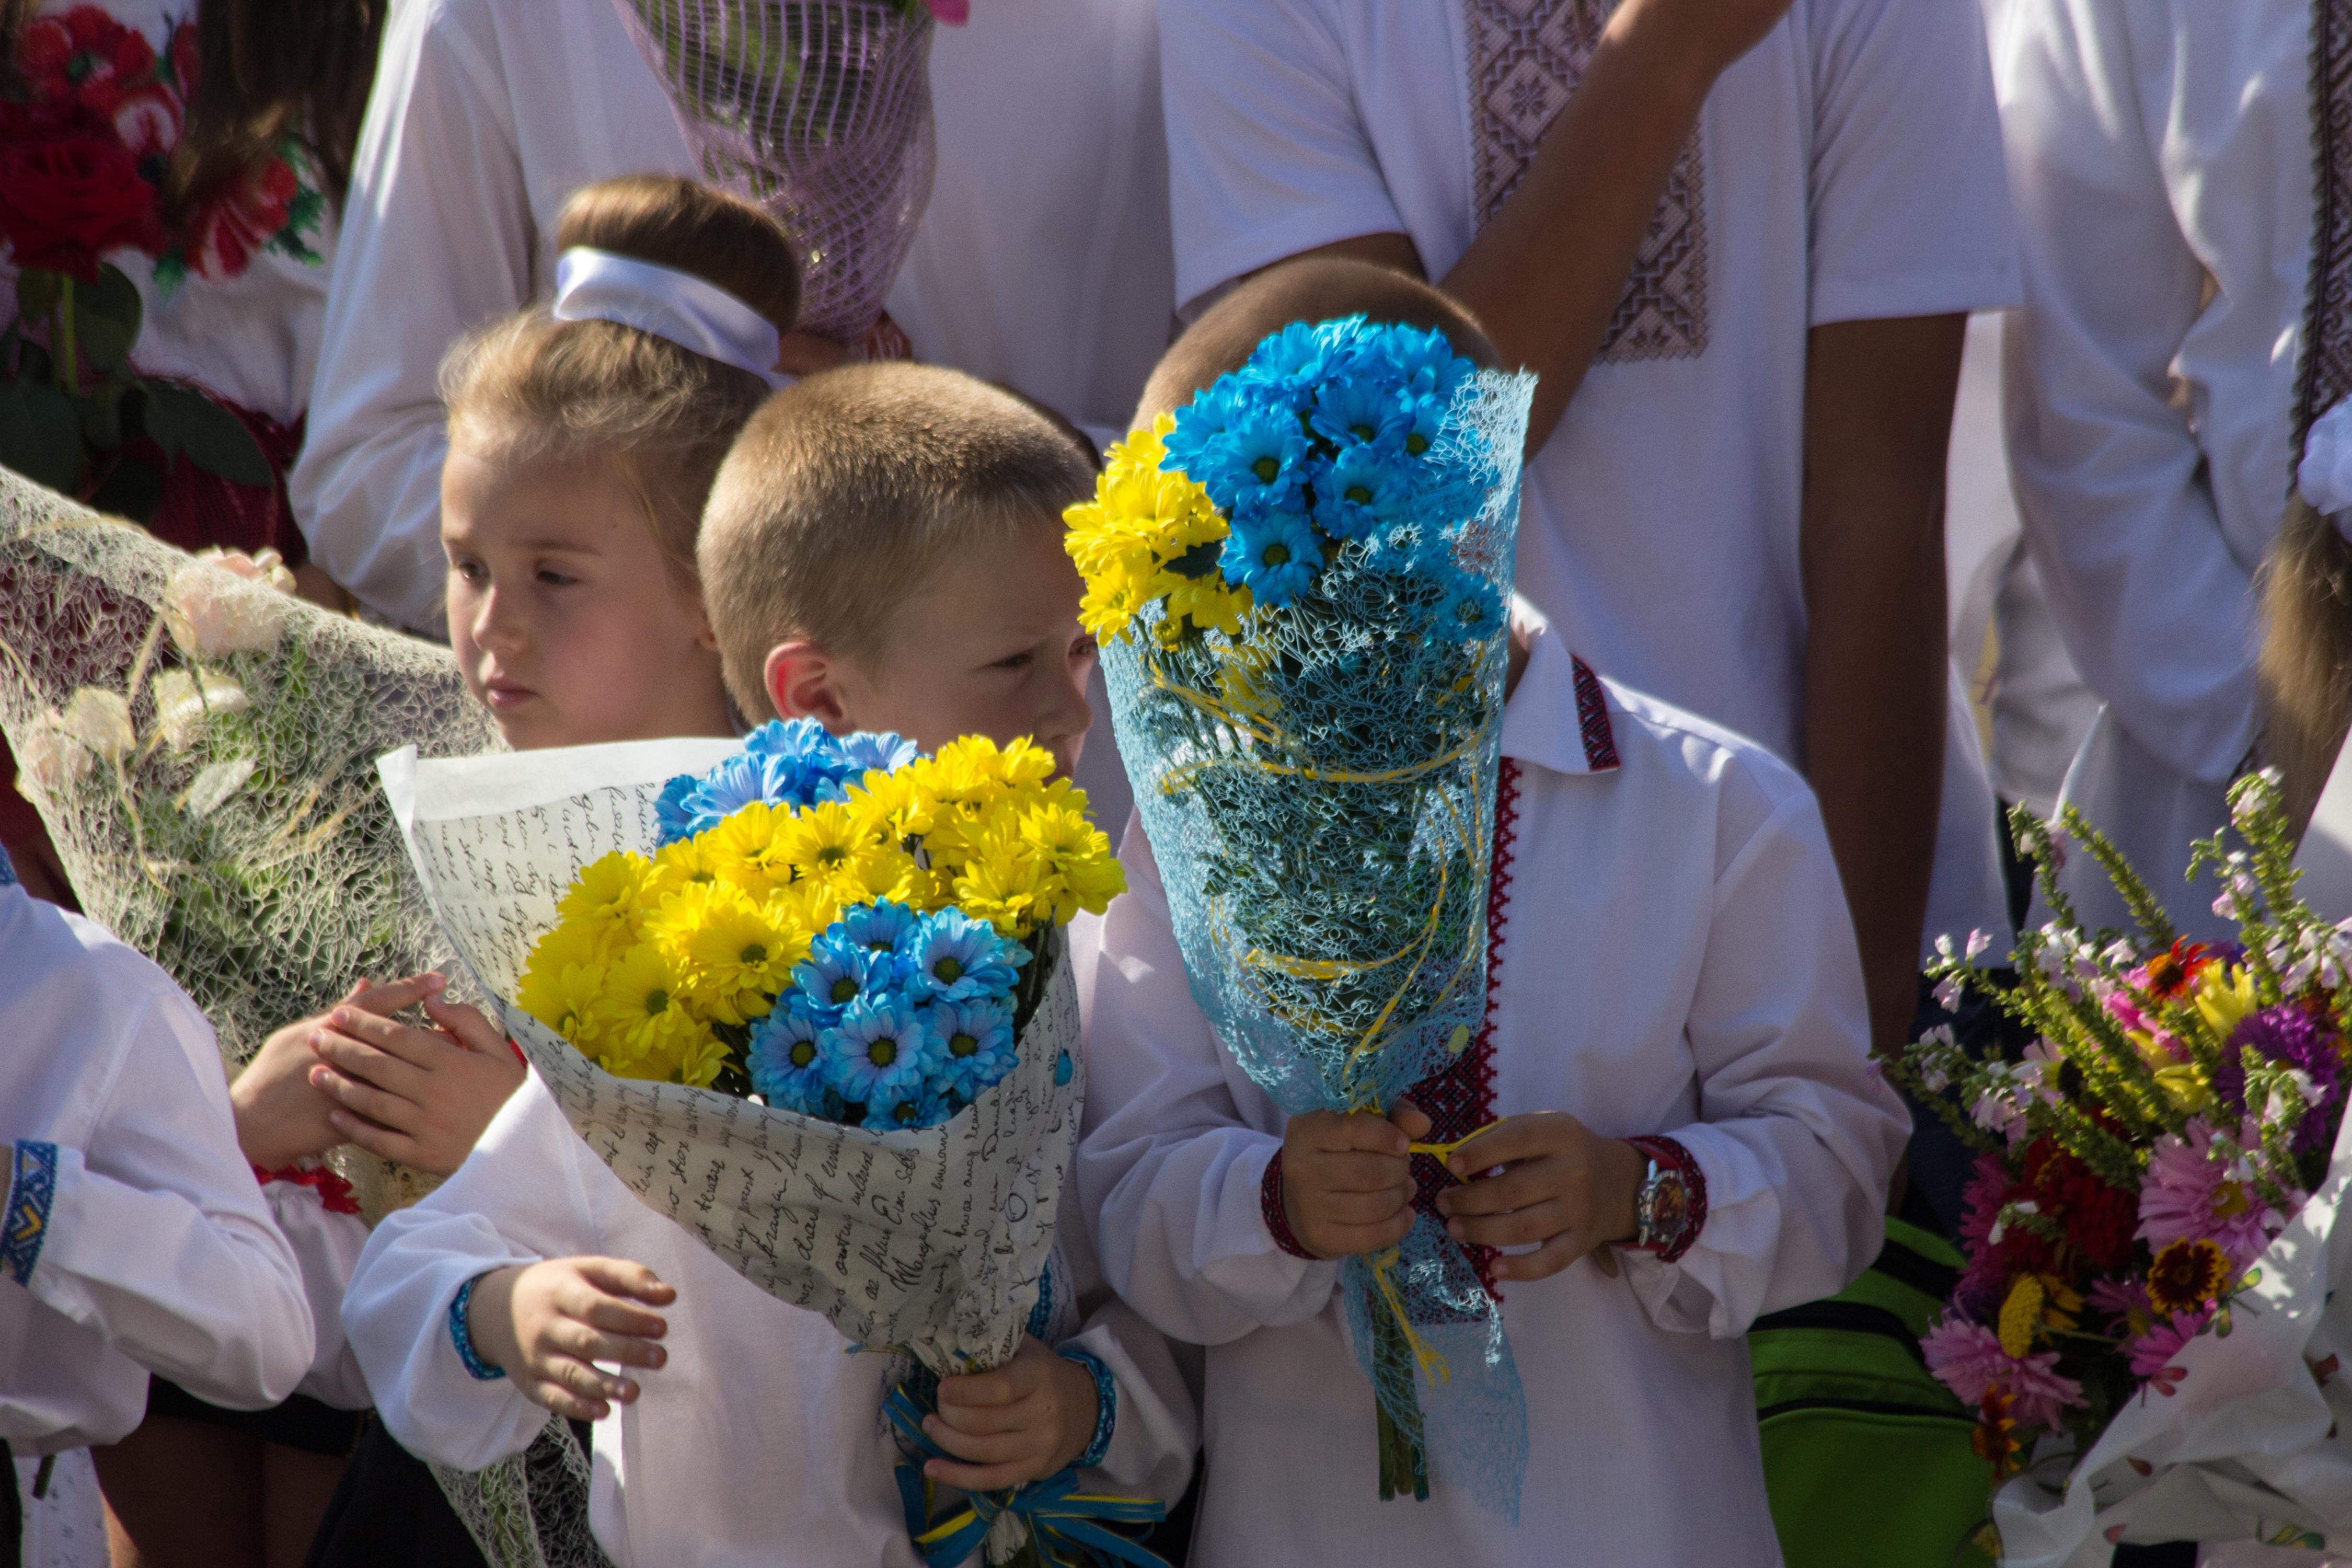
(1743, 789)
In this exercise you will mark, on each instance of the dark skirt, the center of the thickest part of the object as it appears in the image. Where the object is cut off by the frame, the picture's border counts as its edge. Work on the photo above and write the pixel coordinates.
(389, 1512)
(300, 1423)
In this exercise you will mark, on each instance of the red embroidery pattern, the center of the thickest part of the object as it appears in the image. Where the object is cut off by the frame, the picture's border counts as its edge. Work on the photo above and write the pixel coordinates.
(335, 1194)
(1276, 1217)
(1593, 719)
(1461, 1099)
(1526, 57)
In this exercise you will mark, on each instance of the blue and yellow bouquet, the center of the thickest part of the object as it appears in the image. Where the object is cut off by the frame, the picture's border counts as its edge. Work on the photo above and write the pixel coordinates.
(842, 927)
(1300, 581)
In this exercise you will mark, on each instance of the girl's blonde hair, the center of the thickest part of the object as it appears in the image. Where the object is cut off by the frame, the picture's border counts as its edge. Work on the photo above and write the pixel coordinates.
(2307, 658)
(531, 388)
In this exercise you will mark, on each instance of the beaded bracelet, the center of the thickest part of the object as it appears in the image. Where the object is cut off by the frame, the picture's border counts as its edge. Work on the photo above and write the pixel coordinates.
(1106, 1406)
(1276, 1217)
(32, 1190)
(462, 1335)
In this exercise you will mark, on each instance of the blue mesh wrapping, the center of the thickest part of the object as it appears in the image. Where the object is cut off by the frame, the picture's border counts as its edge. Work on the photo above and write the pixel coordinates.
(1320, 794)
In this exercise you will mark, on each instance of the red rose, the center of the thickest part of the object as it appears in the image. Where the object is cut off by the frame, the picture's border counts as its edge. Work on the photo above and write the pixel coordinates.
(242, 217)
(69, 189)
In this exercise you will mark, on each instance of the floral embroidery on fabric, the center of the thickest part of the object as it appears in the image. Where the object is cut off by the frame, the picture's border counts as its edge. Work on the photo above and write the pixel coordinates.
(32, 1188)
(1462, 1098)
(90, 138)
(1593, 721)
(335, 1195)
(1525, 59)
(2326, 376)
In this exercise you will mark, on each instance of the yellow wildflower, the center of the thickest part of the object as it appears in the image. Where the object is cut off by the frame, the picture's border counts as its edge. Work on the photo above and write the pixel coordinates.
(2225, 994)
(2021, 1316)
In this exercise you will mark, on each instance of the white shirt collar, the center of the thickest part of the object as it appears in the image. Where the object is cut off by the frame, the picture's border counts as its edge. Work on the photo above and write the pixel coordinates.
(1558, 717)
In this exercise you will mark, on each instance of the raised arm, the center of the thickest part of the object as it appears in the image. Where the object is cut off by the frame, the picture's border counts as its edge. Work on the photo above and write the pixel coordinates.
(436, 238)
(1878, 417)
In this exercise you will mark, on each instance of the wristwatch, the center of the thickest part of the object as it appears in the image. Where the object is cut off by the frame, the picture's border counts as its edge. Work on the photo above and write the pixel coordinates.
(1660, 1207)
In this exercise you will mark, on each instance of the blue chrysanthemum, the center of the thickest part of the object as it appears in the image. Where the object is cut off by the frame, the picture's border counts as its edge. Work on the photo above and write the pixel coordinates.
(1359, 412)
(973, 1043)
(1421, 362)
(839, 971)
(956, 958)
(1291, 364)
(886, 927)
(876, 1055)
(932, 1106)
(1424, 421)
(674, 809)
(866, 751)
(787, 1057)
(1363, 488)
(1473, 607)
(1276, 556)
(1199, 424)
(1259, 463)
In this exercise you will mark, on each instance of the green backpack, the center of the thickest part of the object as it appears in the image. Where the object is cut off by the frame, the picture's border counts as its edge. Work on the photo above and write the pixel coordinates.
(1869, 1459)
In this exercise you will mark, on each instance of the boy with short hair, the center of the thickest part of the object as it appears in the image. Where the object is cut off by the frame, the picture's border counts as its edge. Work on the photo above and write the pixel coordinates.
(882, 550)
(1674, 1066)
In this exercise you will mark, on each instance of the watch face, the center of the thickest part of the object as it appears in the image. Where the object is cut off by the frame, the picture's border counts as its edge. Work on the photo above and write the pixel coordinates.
(1669, 1206)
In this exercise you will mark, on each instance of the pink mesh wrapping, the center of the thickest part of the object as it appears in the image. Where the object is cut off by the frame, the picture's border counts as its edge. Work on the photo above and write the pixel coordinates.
(820, 110)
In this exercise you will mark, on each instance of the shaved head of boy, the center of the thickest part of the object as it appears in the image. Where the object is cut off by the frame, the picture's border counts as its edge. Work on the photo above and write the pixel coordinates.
(883, 551)
(1313, 289)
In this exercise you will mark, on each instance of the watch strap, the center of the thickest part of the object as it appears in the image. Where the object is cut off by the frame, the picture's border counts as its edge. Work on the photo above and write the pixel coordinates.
(1669, 1154)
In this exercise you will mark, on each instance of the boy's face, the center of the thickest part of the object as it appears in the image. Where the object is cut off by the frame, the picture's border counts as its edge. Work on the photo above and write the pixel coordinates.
(567, 625)
(990, 645)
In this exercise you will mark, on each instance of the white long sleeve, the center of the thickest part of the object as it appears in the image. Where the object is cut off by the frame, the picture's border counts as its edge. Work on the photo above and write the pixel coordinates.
(485, 116)
(1158, 1426)
(2160, 162)
(137, 1239)
(326, 1244)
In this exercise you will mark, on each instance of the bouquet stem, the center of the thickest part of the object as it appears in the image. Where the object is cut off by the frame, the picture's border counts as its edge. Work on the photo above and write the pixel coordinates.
(1405, 1465)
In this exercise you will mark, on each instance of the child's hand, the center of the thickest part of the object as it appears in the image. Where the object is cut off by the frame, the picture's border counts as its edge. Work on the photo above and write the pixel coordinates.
(281, 1116)
(544, 1325)
(1030, 1418)
(418, 1096)
(1347, 1182)
(1559, 1184)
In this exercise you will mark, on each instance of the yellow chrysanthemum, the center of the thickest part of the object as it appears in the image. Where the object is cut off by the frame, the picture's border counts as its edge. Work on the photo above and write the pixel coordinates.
(608, 897)
(1005, 883)
(1140, 521)
(677, 866)
(2021, 1315)
(563, 979)
(643, 1013)
(1210, 603)
(897, 807)
(753, 848)
(825, 840)
(1084, 873)
(736, 955)
(806, 906)
(883, 871)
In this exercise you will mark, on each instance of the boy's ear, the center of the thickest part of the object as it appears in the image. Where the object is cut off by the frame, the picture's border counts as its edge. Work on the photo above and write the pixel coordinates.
(803, 681)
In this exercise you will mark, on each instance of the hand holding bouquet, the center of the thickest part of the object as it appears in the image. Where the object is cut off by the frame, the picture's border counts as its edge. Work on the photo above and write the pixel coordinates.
(1299, 580)
(2149, 1224)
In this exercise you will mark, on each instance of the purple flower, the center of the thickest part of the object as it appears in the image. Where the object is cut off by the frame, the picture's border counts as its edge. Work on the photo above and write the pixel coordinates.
(2289, 1035)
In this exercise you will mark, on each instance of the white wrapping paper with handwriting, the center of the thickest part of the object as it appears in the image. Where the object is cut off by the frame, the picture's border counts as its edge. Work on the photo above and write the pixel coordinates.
(929, 1241)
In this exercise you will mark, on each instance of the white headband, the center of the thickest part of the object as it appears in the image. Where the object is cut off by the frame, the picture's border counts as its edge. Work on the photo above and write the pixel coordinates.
(692, 313)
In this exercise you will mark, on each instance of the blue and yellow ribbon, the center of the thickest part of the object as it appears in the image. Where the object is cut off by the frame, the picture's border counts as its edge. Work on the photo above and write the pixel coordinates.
(1068, 1528)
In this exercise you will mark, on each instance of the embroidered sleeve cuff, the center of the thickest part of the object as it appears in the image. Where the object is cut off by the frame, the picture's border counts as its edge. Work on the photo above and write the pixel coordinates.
(1277, 1220)
(335, 1195)
(1106, 1407)
(1671, 1154)
(461, 1334)
(32, 1191)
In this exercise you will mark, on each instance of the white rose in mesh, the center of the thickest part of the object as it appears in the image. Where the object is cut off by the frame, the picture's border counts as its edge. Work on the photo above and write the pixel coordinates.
(2325, 474)
(50, 759)
(184, 701)
(211, 613)
(101, 721)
